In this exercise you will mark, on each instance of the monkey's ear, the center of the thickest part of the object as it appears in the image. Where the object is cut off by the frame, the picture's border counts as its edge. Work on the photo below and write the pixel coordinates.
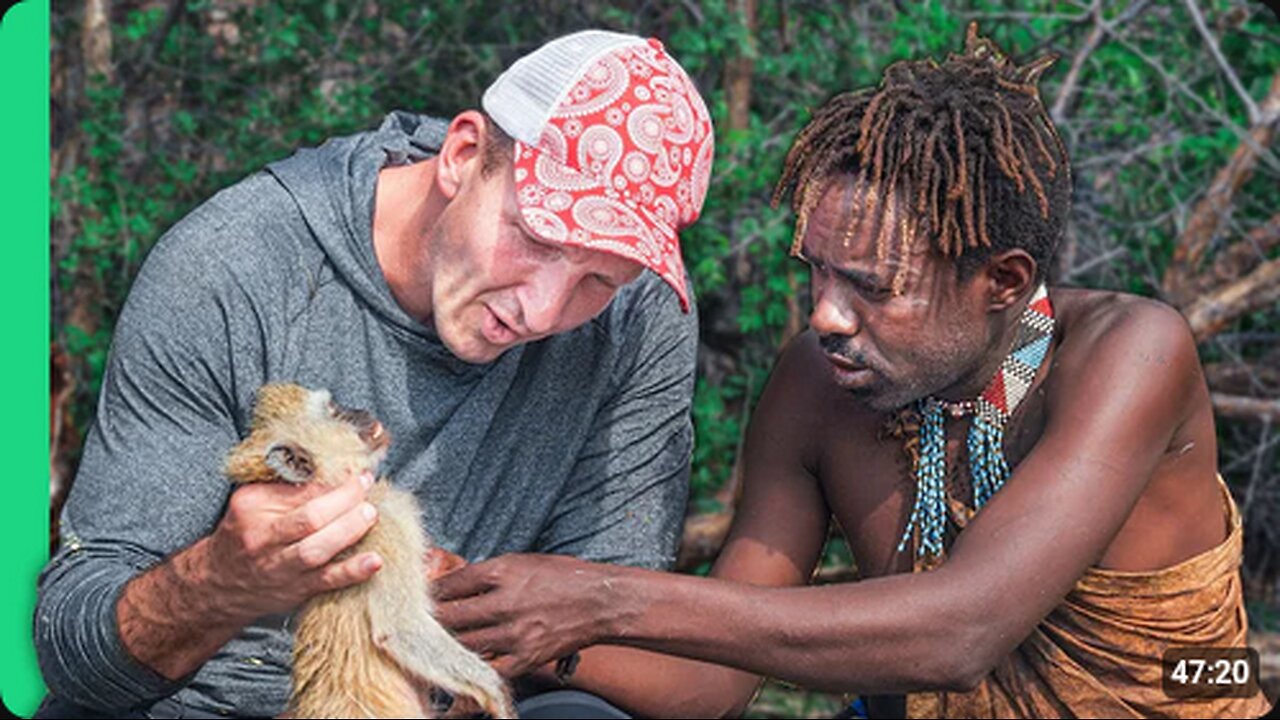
(291, 462)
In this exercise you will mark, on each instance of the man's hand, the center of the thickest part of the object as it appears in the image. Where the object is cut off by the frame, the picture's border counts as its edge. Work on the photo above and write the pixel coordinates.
(526, 610)
(273, 549)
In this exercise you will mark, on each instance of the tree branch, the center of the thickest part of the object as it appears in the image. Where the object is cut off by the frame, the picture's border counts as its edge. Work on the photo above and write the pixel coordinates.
(1212, 210)
(1237, 407)
(1243, 255)
(95, 40)
(1243, 378)
(1212, 42)
(1209, 315)
(703, 537)
(1066, 93)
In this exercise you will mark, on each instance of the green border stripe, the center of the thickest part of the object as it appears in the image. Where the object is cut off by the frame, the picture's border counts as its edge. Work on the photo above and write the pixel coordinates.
(24, 252)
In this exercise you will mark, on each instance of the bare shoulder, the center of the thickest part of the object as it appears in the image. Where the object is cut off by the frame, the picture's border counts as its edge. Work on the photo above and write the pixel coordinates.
(1115, 317)
(1116, 335)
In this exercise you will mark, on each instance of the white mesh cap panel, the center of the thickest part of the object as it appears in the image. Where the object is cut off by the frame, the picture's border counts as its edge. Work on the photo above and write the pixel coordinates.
(522, 98)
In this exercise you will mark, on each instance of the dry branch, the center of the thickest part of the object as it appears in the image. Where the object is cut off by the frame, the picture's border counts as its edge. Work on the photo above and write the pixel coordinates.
(739, 70)
(1067, 91)
(1246, 408)
(63, 435)
(1211, 313)
(1198, 18)
(1243, 256)
(1241, 378)
(832, 575)
(1212, 210)
(95, 39)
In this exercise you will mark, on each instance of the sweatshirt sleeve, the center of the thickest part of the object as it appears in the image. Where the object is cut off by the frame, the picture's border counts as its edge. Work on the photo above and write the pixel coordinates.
(150, 481)
(626, 501)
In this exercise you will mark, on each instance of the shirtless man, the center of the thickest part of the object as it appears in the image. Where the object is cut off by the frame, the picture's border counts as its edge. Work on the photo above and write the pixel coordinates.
(1028, 481)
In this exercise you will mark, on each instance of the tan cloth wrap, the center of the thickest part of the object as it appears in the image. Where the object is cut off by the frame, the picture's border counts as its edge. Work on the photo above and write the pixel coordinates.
(1097, 655)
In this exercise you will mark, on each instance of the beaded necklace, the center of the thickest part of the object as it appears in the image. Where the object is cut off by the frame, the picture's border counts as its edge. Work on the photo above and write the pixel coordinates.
(988, 469)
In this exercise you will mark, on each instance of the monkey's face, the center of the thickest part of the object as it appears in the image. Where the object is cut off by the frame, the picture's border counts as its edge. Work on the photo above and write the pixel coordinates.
(301, 435)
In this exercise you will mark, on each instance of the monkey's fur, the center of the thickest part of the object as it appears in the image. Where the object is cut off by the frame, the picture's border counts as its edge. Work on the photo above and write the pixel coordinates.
(371, 650)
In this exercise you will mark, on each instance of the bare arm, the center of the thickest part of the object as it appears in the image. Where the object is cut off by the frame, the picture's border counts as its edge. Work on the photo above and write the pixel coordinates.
(1067, 499)
(778, 531)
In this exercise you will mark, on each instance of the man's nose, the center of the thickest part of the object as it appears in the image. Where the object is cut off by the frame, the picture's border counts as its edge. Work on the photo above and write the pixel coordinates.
(548, 293)
(832, 315)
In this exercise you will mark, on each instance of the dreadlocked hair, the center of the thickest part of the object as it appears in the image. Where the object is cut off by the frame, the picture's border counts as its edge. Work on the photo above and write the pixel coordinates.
(965, 147)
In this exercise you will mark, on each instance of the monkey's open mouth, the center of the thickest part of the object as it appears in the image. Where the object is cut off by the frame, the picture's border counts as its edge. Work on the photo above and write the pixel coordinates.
(377, 436)
(371, 431)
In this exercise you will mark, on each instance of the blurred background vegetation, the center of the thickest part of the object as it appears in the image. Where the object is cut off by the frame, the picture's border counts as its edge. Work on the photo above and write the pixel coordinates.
(1168, 108)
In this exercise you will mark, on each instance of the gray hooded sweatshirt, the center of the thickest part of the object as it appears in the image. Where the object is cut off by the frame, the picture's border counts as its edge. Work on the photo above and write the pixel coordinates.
(577, 444)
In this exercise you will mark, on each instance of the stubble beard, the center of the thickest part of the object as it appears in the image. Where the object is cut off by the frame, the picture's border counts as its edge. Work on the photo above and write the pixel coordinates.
(943, 366)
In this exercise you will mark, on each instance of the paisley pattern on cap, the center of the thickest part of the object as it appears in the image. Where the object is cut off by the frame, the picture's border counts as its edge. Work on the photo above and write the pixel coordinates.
(623, 163)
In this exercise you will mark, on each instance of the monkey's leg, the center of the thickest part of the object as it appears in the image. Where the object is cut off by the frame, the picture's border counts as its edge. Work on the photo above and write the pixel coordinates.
(430, 655)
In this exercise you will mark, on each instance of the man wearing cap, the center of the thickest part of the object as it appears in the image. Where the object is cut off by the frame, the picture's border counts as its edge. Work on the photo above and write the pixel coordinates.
(478, 285)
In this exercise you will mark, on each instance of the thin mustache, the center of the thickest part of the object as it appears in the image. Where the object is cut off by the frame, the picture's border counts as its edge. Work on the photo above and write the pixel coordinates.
(839, 346)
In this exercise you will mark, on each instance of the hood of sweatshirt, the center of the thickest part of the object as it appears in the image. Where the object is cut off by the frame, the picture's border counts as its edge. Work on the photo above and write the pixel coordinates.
(334, 186)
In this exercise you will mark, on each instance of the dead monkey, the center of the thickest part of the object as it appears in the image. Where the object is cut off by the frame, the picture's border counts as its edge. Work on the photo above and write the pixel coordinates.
(371, 650)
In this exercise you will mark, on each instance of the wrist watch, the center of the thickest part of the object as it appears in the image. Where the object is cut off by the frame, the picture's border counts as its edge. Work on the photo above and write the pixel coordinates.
(566, 666)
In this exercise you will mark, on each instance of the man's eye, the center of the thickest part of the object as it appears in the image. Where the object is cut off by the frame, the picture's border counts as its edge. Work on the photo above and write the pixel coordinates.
(543, 250)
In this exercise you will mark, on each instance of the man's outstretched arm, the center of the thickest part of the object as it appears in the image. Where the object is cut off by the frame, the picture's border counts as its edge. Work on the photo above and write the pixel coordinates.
(779, 528)
(1055, 517)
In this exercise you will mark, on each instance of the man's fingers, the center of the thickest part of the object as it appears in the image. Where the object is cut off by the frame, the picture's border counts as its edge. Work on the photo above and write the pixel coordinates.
(487, 642)
(346, 572)
(477, 611)
(508, 667)
(321, 511)
(465, 582)
(318, 548)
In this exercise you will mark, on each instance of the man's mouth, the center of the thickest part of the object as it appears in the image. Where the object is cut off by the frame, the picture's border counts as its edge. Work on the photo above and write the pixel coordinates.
(848, 374)
(497, 330)
(844, 363)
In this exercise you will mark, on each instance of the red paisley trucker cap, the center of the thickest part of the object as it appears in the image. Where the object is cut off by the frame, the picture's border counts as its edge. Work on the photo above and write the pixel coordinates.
(613, 146)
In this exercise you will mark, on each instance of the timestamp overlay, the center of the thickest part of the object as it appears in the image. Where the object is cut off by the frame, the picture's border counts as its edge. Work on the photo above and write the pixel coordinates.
(1209, 672)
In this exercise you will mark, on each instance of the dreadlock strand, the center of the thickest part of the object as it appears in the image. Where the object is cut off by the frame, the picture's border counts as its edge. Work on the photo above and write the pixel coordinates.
(955, 245)
(1015, 164)
(981, 171)
(1037, 131)
(868, 117)
(931, 169)
(900, 208)
(1031, 176)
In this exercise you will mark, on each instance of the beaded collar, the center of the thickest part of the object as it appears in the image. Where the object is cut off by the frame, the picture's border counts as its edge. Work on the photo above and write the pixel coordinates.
(988, 469)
